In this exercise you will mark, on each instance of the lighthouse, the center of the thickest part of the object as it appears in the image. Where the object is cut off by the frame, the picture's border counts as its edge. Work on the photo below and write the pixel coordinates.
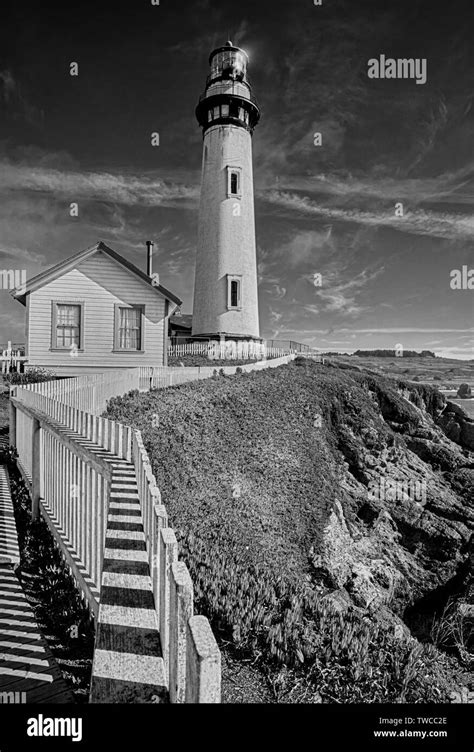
(225, 285)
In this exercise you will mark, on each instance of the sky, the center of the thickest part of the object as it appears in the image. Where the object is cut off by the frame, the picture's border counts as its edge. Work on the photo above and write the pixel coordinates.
(382, 209)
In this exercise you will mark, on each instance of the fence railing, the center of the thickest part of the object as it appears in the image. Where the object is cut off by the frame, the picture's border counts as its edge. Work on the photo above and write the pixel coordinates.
(160, 377)
(73, 462)
(59, 455)
(221, 350)
(89, 392)
(238, 350)
(288, 345)
(190, 348)
(190, 654)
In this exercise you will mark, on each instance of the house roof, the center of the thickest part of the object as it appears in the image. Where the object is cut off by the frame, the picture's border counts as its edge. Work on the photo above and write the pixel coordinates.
(185, 321)
(70, 263)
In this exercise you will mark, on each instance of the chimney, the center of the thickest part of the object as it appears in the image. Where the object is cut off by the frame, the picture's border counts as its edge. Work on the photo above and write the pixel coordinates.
(149, 257)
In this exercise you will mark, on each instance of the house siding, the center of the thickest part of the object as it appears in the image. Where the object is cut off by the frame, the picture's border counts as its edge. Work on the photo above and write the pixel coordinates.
(99, 283)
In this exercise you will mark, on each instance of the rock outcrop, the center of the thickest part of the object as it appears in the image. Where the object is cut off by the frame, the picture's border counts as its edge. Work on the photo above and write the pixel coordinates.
(464, 391)
(402, 525)
(457, 425)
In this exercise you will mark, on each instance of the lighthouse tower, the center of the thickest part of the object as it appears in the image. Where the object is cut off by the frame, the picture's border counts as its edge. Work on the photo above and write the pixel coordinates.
(225, 286)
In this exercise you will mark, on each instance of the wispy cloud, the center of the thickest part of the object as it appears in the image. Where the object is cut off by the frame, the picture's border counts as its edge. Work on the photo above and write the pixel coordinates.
(405, 330)
(341, 298)
(128, 189)
(418, 221)
(15, 256)
(448, 187)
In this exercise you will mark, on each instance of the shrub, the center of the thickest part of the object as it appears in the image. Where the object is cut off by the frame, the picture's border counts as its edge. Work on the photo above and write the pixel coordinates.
(454, 630)
(301, 361)
(202, 360)
(32, 376)
(8, 456)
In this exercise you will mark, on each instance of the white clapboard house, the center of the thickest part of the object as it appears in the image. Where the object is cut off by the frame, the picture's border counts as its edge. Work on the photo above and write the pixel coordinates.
(93, 312)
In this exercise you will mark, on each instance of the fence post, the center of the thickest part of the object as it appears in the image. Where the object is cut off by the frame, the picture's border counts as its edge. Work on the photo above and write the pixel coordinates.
(160, 521)
(12, 418)
(181, 610)
(203, 663)
(168, 555)
(35, 469)
(127, 453)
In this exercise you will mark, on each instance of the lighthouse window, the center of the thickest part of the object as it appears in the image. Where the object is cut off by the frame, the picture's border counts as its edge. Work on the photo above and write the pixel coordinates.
(225, 110)
(246, 117)
(209, 116)
(234, 292)
(233, 182)
(216, 112)
(241, 113)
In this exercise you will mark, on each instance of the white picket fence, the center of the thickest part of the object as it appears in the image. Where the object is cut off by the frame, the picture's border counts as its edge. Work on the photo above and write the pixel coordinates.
(227, 350)
(66, 456)
(91, 391)
(191, 348)
(11, 360)
(160, 377)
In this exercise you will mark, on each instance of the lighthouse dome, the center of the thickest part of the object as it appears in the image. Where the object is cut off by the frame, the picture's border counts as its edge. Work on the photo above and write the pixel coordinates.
(229, 62)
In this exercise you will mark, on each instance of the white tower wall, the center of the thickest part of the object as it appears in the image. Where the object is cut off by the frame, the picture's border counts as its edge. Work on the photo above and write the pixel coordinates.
(226, 236)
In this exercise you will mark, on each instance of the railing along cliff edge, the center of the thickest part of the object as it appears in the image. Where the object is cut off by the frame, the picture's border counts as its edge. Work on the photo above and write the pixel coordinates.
(91, 480)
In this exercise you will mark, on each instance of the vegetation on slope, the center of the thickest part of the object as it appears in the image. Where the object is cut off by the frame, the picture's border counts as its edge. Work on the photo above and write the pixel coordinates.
(251, 469)
(190, 361)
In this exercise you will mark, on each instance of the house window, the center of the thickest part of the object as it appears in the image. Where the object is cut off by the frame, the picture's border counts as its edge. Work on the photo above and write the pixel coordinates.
(234, 292)
(233, 181)
(129, 327)
(67, 325)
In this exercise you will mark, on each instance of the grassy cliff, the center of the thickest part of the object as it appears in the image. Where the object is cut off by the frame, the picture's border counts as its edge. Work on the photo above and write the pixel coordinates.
(266, 478)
